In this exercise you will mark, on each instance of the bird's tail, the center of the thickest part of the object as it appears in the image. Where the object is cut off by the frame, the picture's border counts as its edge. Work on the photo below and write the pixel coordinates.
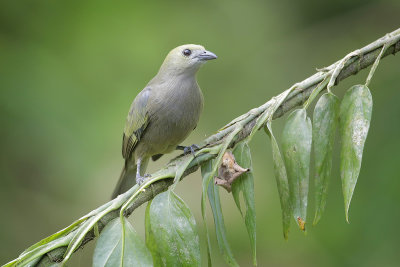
(126, 180)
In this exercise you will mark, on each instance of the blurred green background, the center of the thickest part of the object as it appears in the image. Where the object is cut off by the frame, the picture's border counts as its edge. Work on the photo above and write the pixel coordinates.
(70, 69)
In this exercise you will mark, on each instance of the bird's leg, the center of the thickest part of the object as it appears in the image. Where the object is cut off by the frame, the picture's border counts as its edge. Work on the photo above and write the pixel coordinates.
(139, 178)
(188, 149)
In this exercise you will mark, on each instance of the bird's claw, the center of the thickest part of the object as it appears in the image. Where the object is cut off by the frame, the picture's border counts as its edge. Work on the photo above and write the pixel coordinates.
(140, 179)
(190, 149)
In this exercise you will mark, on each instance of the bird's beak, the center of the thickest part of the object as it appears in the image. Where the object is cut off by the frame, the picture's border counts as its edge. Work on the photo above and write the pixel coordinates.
(207, 55)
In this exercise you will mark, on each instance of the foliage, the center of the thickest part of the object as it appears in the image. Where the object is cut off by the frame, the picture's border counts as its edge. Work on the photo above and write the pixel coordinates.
(325, 121)
(116, 249)
(281, 181)
(171, 232)
(245, 186)
(297, 140)
(355, 117)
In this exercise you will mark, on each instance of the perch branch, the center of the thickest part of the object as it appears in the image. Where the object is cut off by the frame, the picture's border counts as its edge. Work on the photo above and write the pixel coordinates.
(209, 148)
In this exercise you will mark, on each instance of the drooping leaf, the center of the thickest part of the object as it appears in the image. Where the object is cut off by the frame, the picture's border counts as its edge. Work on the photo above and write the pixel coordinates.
(151, 240)
(325, 121)
(355, 118)
(206, 172)
(171, 233)
(297, 138)
(108, 250)
(245, 185)
(281, 181)
(215, 203)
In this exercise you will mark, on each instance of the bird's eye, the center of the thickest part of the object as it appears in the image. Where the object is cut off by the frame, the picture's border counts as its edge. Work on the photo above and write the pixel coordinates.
(187, 52)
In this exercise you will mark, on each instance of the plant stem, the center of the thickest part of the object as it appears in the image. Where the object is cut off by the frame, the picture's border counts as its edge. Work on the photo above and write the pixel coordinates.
(349, 65)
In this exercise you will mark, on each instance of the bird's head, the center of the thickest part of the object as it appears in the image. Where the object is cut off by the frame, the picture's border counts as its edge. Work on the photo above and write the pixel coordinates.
(186, 59)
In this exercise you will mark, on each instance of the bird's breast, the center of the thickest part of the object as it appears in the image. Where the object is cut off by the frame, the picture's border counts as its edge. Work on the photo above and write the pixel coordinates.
(174, 114)
(180, 108)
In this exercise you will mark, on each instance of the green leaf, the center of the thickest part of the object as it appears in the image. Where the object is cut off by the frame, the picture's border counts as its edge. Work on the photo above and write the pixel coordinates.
(325, 121)
(355, 118)
(206, 172)
(59, 234)
(86, 226)
(281, 181)
(215, 203)
(181, 168)
(245, 184)
(151, 240)
(297, 138)
(171, 233)
(31, 257)
(109, 247)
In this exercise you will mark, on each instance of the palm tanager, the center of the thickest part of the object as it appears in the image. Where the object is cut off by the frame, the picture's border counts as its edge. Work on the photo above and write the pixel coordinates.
(163, 114)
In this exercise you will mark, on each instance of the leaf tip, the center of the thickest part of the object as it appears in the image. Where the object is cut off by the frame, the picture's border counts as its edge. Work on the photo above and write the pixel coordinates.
(301, 223)
(347, 206)
(316, 219)
(347, 217)
(286, 236)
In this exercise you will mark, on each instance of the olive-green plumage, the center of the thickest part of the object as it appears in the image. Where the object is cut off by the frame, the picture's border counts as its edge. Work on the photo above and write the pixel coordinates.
(164, 113)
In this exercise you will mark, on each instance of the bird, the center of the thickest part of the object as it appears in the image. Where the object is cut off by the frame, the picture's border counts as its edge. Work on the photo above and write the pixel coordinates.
(163, 114)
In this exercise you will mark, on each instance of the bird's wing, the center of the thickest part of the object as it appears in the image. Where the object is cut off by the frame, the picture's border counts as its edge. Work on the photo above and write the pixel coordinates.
(136, 122)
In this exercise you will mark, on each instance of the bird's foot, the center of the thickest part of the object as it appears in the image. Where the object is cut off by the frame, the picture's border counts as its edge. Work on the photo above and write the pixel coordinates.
(140, 179)
(190, 149)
